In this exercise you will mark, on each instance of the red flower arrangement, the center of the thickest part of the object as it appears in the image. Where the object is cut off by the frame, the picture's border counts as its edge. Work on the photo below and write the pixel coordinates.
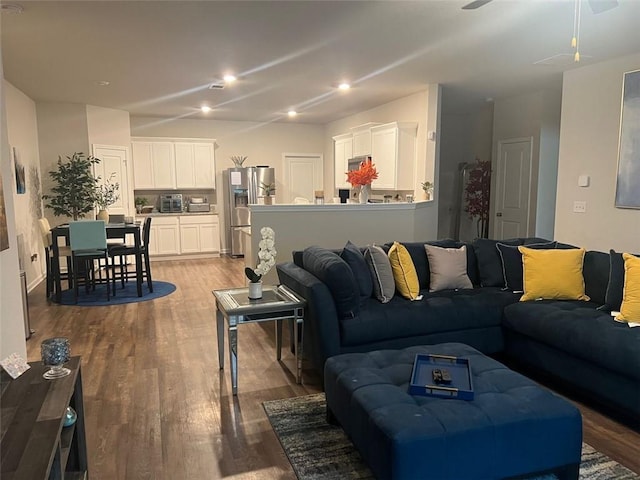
(366, 174)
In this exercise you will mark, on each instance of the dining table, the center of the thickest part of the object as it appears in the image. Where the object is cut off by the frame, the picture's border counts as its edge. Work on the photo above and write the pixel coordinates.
(113, 230)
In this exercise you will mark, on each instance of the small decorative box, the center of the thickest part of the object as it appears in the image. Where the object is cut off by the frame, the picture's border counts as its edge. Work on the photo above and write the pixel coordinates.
(441, 376)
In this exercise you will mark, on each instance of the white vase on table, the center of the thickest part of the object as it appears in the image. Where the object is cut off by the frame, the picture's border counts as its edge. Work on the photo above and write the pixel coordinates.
(255, 290)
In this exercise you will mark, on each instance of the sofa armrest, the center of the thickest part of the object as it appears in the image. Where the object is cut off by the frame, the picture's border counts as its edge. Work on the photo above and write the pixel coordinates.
(321, 326)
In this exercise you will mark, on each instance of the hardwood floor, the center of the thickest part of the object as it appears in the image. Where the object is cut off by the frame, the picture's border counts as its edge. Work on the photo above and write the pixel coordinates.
(158, 407)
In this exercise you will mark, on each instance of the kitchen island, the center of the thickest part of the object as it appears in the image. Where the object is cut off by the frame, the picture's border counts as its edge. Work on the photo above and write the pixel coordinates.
(332, 225)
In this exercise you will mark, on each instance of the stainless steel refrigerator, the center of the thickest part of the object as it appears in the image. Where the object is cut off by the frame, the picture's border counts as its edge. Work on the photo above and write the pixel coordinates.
(244, 187)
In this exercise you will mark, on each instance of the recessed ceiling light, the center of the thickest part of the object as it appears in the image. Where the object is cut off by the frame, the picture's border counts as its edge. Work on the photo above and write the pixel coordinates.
(102, 83)
(292, 113)
(344, 86)
(13, 8)
(205, 108)
(229, 78)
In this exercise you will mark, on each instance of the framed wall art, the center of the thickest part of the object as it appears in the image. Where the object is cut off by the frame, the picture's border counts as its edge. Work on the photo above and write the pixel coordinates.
(21, 180)
(628, 180)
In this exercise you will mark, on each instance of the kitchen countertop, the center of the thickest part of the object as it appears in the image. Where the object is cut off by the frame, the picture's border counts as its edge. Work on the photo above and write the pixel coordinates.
(175, 214)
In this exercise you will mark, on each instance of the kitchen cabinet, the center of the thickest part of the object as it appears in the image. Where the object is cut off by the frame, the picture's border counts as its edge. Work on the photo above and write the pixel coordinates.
(362, 139)
(164, 237)
(194, 165)
(153, 165)
(393, 149)
(199, 234)
(342, 152)
(169, 165)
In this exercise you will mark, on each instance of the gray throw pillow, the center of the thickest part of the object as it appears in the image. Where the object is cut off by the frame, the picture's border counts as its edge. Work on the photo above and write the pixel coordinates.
(448, 268)
(384, 286)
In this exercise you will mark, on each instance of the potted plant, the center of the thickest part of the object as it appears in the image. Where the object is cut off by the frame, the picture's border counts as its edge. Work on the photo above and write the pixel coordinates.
(106, 195)
(427, 187)
(266, 259)
(267, 190)
(476, 195)
(74, 187)
(140, 202)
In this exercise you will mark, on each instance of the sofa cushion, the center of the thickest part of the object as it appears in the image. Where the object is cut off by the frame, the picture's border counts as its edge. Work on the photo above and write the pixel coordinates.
(437, 312)
(329, 268)
(447, 267)
(511, 259)
(421, 263)
(553, 274)
(355, 259)
(404, 273)
(489, 264)
(580, 329)
(615, 287)
(630, 307)
(384, 286)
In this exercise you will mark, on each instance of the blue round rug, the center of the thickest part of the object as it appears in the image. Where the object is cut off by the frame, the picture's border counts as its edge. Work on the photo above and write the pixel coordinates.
(128, 294)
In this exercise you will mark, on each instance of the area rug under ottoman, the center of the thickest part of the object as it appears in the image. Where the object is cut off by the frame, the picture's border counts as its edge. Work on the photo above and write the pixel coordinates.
(318, 450)
(511, 428)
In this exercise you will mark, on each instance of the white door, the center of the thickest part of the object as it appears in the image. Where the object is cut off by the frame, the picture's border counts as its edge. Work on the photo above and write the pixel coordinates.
(513, 189)
(113, 166)
(302, 176)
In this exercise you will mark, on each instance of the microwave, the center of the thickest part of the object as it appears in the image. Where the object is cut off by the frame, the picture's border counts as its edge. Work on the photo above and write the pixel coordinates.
(171, 203)
(354, 163)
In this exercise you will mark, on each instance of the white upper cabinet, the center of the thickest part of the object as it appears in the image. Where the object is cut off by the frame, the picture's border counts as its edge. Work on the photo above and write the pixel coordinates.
(194, 165)
(171, 165)
(342, 152)
(393, 150)
(362, 139)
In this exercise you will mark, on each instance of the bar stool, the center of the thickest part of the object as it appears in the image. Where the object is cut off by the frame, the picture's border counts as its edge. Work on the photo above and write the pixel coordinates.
(88, 240)
(131, 250)
(63, 251)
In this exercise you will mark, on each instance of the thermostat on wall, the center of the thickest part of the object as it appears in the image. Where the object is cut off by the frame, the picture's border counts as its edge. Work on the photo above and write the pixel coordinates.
(583, 181)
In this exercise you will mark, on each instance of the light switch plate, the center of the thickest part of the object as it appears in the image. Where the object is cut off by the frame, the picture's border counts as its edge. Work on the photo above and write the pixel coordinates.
(579, 206)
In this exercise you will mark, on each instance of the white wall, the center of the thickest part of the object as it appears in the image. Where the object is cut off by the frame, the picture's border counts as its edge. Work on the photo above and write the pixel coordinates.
(465, 137)
(262, 143)
(12, 334)
(62, 130)
(107, 126)
(589, 133)
(22, 131)
(524, 116)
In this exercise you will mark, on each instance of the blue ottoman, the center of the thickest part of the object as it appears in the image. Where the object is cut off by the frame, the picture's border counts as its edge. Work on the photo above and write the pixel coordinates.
(511, 428)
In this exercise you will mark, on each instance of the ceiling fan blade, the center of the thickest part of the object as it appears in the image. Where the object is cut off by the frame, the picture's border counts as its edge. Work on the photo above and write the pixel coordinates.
(599, 6)
(475, 4)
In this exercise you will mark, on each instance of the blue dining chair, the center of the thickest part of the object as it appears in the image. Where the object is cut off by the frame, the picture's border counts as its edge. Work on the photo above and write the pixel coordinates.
(88, 239)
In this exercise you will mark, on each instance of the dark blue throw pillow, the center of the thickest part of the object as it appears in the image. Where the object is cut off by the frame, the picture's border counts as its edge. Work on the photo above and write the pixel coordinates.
(512, 263)
(489, 263)
(334, 272)
(355, 259)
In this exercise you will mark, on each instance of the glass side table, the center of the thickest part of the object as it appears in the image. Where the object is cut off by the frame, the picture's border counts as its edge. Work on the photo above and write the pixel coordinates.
(277, 303)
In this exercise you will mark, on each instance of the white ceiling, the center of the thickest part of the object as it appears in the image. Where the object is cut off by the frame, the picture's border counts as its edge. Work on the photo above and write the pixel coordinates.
(161, 56)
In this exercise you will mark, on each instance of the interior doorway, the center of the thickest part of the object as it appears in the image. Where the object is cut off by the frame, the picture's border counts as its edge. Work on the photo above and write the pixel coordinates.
(302, 176)
(113, 166)
(513, 188)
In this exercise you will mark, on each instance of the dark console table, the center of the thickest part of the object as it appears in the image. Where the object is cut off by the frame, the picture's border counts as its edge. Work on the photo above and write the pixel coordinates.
(33, 444)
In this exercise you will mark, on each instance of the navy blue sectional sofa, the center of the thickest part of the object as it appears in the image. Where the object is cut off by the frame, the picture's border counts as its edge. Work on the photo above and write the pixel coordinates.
(575, 342)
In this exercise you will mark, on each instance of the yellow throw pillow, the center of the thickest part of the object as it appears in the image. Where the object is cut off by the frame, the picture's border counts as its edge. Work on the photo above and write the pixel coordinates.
(630, 308)
(553, 274)
(404, 272)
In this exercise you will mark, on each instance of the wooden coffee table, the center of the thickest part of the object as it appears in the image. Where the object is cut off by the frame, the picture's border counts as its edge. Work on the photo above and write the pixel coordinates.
(277, 303)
